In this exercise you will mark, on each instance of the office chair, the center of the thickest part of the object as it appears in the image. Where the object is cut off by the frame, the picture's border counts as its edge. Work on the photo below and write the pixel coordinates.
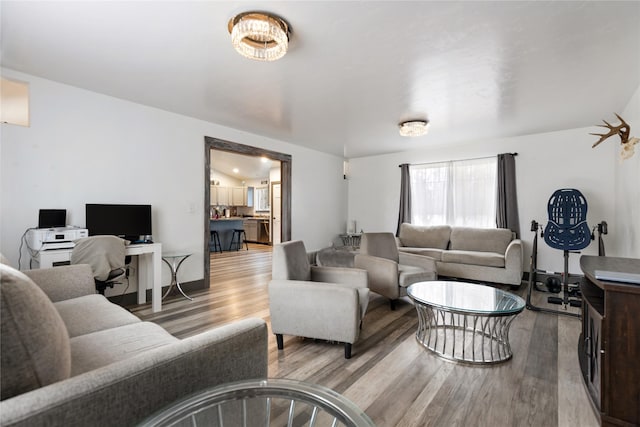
(105, 255)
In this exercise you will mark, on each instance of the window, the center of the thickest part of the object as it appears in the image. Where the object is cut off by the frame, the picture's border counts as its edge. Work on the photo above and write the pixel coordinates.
(460, 193)
(262, 199)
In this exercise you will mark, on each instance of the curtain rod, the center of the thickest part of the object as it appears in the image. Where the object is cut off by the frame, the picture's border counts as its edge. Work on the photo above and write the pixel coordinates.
(460, 160)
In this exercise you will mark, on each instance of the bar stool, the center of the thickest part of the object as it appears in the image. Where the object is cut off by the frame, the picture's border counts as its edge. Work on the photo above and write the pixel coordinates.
(237, 238)
(215, 238)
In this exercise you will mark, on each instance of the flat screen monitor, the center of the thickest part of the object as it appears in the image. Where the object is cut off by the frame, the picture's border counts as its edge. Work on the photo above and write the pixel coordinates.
(132, 222)
(49, 218)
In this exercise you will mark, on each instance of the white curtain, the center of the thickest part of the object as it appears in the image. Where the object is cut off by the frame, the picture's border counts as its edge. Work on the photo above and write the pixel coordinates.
(461, 193)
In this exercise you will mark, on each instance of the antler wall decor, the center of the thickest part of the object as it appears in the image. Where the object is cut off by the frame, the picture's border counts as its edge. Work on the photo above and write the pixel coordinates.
(623, 130)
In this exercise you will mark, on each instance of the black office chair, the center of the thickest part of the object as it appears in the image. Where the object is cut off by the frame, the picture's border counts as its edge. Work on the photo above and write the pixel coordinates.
(106, 256)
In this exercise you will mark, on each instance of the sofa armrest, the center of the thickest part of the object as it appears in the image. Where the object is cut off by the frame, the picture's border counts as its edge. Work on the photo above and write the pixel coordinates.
(382, 273)
(349, 276)
(314, 309)
(415, 260)
(399, 242)
(64, 282)
(513, 257)
(126, 392)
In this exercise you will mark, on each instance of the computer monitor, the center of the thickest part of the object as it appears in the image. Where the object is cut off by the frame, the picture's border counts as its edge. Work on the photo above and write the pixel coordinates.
(51, 218)
(131, 222)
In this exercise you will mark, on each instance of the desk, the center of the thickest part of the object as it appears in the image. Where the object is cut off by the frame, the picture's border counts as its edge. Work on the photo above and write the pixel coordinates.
(149, 268)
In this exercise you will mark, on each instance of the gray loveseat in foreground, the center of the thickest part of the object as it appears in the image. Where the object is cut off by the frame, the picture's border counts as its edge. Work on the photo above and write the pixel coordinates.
(70, 357)
(482, 254)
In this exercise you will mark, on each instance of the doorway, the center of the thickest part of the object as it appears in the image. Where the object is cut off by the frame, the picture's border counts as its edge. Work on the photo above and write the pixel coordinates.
(284, 204)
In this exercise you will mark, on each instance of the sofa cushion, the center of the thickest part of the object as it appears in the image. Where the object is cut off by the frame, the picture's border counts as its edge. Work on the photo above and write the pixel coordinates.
(92, 351)
(488, 259)
(91, 313)
(430, 252)
(34, 340)
(425, 236)
(332, 257)
(480, 239)
(408, 275)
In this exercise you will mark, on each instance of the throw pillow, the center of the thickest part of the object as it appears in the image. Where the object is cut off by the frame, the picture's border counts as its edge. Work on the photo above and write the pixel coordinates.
(34, 339)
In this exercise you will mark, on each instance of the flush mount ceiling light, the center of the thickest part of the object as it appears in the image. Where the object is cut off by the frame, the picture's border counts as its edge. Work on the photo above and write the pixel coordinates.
(260, 36)
(414, 128)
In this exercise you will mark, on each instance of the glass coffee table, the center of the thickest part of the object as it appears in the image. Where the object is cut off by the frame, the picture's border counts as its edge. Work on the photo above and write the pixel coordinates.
(465, 322)
(273, 402)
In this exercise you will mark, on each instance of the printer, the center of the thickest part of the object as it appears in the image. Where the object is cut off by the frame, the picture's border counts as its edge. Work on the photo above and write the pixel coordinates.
(42, 239)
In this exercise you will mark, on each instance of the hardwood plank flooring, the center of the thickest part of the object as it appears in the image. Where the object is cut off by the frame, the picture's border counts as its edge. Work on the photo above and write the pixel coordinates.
(390, 376)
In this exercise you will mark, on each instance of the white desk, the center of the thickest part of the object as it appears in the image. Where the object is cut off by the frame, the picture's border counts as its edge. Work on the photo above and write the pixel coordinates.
(149, 268)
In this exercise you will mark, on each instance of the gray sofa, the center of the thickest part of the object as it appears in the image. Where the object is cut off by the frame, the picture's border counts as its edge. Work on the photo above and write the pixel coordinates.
(70, 357)
(487, 255)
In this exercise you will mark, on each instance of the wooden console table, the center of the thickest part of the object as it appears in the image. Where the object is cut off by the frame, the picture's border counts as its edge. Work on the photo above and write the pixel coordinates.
(609, 345)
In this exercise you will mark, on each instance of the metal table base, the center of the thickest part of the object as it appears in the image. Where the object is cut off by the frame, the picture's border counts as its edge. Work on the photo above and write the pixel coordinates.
(467, 338)
(174, 266)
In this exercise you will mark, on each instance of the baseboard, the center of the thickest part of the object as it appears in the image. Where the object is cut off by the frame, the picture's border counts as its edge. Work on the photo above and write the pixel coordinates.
(132, 298)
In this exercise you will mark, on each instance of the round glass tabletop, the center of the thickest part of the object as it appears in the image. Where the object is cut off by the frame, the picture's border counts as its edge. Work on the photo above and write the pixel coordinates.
(466, 297)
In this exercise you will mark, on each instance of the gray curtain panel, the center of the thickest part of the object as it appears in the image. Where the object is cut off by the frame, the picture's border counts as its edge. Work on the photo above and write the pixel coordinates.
(507, 200)
(404, 214)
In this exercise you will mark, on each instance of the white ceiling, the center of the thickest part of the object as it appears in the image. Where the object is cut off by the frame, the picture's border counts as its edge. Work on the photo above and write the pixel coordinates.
(355, 69)
(248, 167)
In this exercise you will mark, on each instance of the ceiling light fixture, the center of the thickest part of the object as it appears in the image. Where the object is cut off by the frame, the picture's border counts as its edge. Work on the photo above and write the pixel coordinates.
(260, 36)
(414, 128)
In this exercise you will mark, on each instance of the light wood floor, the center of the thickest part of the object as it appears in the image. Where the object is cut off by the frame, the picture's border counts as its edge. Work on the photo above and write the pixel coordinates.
(390, 376)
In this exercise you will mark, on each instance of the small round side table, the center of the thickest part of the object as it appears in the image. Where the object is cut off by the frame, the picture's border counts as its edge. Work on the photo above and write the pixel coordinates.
(176, 261)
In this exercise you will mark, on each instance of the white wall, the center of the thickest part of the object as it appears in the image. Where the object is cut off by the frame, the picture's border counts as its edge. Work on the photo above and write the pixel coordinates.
(628, 185)
(545, 163)
(84, 147)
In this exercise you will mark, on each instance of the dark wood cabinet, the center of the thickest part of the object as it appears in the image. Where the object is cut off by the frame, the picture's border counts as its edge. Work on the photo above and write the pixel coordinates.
(609, 346)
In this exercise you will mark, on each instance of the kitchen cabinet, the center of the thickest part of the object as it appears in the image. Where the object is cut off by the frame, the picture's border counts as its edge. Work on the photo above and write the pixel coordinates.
(231, 196)
(219, 196)
(237, 196)
(248, 196)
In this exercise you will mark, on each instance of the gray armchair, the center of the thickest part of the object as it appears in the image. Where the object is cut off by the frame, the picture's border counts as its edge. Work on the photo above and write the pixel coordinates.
(390, 271)
(315, 302)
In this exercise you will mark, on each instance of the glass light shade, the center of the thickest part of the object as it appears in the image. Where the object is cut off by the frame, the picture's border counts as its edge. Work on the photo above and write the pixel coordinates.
(259, 36)
(414, 128)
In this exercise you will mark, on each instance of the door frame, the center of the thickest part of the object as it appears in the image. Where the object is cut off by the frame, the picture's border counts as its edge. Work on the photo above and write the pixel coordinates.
(273, 183)
(211, 143)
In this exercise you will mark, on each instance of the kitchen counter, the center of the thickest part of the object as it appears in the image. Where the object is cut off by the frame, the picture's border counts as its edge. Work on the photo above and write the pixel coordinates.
(224, 227)
(231, 218)
(240, 218)
(256, 229)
